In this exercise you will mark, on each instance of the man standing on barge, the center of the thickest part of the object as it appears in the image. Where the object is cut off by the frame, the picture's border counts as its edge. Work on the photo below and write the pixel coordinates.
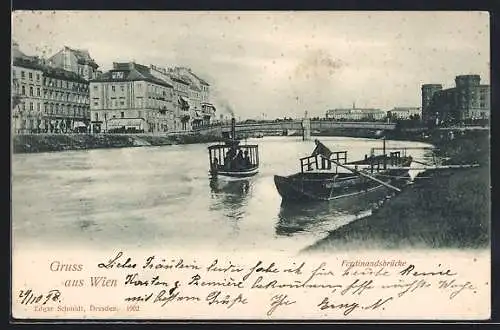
(322, 150)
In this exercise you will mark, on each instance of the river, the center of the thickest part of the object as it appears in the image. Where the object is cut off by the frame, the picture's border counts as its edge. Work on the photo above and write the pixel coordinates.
(161, 197)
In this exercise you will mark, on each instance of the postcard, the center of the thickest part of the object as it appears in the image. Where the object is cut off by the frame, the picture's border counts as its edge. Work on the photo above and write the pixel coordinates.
(264, 165)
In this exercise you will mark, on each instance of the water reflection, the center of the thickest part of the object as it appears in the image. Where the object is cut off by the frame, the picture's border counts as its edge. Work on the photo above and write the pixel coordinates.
(230, 198)
(323, 216)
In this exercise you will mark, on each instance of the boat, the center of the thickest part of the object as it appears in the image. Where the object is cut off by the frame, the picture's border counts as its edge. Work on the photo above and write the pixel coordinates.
(317, 183)
(232, 159)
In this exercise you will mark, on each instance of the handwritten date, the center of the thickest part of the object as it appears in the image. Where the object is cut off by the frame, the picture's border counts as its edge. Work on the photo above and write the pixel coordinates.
(28, 297)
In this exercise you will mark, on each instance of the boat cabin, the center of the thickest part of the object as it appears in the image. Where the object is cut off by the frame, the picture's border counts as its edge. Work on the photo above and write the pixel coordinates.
(233, 159)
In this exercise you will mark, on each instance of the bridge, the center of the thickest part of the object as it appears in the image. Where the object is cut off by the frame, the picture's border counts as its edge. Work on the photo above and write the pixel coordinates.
(291, 126)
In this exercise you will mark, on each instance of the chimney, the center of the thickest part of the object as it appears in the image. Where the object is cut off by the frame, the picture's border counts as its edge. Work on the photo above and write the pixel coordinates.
(233, 128)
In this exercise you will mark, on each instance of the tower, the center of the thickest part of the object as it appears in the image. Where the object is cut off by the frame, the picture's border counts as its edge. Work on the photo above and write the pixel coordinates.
(467, 87)
(428, 91)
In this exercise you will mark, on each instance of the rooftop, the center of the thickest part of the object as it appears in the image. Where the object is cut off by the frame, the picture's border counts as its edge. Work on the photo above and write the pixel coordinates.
(62, 74)
(132, 72)
(82, 56)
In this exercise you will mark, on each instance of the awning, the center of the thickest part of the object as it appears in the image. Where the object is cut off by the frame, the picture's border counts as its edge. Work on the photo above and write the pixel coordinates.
(127, 122)
(185, 101)
(77, 124)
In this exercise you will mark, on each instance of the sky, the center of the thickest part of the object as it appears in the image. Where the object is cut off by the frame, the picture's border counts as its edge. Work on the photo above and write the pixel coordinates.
(279, 64)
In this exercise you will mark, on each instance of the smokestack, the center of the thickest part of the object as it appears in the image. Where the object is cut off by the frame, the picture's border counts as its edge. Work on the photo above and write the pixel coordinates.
(233, 128)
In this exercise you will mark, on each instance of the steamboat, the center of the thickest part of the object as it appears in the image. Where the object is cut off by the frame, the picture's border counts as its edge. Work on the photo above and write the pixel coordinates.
(232, 159)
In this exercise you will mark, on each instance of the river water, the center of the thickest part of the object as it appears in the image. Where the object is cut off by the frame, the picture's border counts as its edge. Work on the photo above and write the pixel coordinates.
(161, 197)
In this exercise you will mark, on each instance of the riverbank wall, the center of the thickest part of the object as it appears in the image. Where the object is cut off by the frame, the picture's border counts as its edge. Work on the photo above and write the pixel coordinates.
(61, 142)
(441, 209)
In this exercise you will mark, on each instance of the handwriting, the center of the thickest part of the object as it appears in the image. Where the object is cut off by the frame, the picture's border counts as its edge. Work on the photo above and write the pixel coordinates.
(350, 307)
(357, 288)
(114, 263)
(458, 287)
(154, 263)
(132, 279)
(275, 284)
(217, 297)
(229, 268)
(28, 297)
(350, 289)
(173, 297)
(195, 280)
(297, 270)
(408, 287)
(408, 271)
(277, 301)
(269, 269)
(366, 271)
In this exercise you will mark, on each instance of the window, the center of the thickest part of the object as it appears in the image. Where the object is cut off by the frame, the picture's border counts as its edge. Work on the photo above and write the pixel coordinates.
(122, 88)
(96, 116)
(31, 75)
(95, 87)
(139, 114)
(31, 91)
(38, 107)
(38, 91)
(31, 106)
(113, 88)
(37, 77)
(122, 103)
(122, 114)
(96, 103)
(23, 90)
(22, 74)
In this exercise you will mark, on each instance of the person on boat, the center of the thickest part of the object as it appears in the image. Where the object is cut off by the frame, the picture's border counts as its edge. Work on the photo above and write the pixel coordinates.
(322, 150)
(229, 159)
(246, 160)
(215, 164)
(238, 161)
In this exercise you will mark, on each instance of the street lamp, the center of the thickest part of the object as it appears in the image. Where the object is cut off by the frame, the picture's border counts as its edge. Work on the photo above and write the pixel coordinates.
(106, 122)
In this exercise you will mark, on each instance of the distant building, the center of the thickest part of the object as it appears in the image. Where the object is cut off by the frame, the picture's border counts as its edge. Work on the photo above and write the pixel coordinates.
(75, 60)
(428, 91)
(191, 97)
(405, 113)
(467, 100)
(356, 114)
(130, 98)
(51, 100)
(66, 101)
(27, 88)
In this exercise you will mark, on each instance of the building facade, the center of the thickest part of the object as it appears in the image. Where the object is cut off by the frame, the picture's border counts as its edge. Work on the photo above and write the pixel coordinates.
(46, 99)
(129, 98)
(66, 101)
(428, 91)
(78, 61)
(204, 110)
(405, 113)
(356, 114)
(27, 96)
(468, 100)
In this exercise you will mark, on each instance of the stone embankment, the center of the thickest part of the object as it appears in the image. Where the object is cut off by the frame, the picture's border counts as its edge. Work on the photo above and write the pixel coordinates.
(61, 142)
